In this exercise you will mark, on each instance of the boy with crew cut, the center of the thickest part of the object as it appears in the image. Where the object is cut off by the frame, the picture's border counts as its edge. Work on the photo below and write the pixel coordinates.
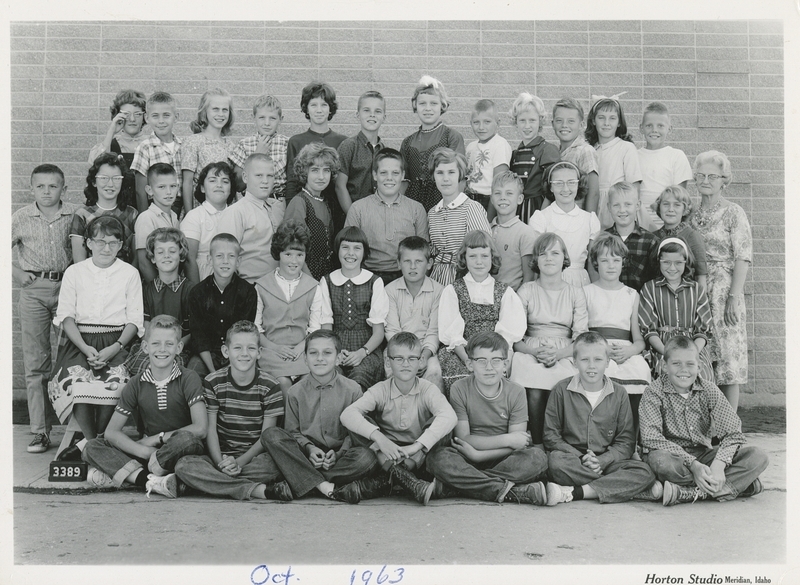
(513, 237)
(414, 306)
(254, 218)
(40, 235)
(490, 457)
(162, 186)
(411, 416)
(589, 435)
(242, 402)
(387, 216)
(489, 154)
(355, 179)
(216, 303)
(678, 414)
(161, 147)
(314, 450)
(169, 400)
(568, 126)
(268, 115)
(662, 166)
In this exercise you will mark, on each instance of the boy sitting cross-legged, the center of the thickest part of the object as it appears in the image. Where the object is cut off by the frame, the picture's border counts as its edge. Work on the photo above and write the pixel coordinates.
(490, 457)
(412, 416)
(169, 400)
(678, 414)
(242, 403)
(314, 450)
(588, 432)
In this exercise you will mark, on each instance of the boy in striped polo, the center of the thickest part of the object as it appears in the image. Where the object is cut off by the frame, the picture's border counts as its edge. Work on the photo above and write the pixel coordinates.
(242, 403)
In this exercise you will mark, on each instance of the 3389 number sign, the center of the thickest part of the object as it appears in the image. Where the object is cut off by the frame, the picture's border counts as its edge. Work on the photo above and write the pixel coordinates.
(68, 471)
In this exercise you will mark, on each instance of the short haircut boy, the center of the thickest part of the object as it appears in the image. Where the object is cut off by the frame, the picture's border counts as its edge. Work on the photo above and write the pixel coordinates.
(160, 170)
(569, 104)
(48, 169)
(257, 156)
(403, 339)
(269, 102)
(506, 177)
(352, 234)
(389, 153)
(166, 235)
(608, 243)
(324, 334)
(371, 94)
(317, 89)
(677, 343)
(224, 238)
(477, 239)
(446, 156)
(655, 108)
(484, 105)
(622, 188)
(242, 326)
(414, 244)
(166, 322)
(292, 234)
(162, 97)
(588, 338)
(490, 340)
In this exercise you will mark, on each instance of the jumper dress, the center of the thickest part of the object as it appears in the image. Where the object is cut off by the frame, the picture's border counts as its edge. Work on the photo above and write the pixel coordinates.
(351, 304)
(318, 258)
(421, 186)
(477, 319)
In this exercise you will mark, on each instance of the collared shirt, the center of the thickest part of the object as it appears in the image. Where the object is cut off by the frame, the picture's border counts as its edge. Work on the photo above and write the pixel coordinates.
(101, 296)
(482, 159)
(402, 417)
(581, 154)
(200, 224)
(168, 299)
(182, 391)
(641, 264)
(253, 221)
(150, 219)
(511, 323)
(514, 240)
(576, 227)
(686, 308)
(379, 304)
(313, 411)
(152, 150)
(241, 410)
(276, 144)
(386, 225)
(42, 244)
(212, 312)
(355, 160)
(161, 385)
(417, 314)
(670, 422)
(573, 426)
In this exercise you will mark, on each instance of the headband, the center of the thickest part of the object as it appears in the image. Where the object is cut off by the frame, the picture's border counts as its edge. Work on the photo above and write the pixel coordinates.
(678, 241)
(562, 164)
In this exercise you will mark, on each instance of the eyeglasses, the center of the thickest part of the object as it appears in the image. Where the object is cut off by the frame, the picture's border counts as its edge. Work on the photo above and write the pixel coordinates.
(136, 115)
(561, 184)
(701, 178)
(497, 363)
(673, 264)
(411, 361)
(103, 244)
(104, 179)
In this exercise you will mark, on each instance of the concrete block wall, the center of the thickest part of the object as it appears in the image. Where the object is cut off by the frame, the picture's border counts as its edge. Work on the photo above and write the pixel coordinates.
(722, 81)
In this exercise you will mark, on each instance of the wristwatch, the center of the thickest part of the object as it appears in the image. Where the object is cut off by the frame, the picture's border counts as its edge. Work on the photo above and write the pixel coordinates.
(161, 439)
(365, 348)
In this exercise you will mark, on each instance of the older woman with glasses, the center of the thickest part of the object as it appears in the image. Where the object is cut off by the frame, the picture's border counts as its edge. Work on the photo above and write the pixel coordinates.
(725, 230)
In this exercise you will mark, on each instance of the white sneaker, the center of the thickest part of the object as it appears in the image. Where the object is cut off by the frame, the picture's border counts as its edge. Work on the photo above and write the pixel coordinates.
(166, 485)
(99, 478)
(558, 494)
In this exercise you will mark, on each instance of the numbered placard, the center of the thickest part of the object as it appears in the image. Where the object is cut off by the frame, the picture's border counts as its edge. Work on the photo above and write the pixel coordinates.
(68, 471)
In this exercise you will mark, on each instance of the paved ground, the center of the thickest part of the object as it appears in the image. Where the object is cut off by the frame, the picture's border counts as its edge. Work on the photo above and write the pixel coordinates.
(74, 525)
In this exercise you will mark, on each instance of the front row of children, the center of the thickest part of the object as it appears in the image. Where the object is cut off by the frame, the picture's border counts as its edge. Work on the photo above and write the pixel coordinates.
(350, 446)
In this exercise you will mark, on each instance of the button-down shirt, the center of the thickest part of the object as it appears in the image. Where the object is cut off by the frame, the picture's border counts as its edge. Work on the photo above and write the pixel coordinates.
(252, 221)
(402, 417)
(386, 225)
(42, 244)
(671, 422)
(355, 160)
(313, 411)
(150, 219)
(152, 151)
(641, 264)
(417, 314)
(276, 150)
(581, 154)
(212, 311)
(687, 308)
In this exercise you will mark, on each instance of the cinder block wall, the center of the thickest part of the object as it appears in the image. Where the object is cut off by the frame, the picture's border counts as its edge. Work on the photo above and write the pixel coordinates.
(722, 81)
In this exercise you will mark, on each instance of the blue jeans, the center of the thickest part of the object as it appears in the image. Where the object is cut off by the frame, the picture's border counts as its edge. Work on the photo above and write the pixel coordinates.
(748, 463)
(619, 482)
(200, 473)
(38, 302)
(301, 475)
(119, 465)
(486, 481)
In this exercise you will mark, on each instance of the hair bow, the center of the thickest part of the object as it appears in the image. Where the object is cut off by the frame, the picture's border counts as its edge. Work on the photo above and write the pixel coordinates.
(615, 97)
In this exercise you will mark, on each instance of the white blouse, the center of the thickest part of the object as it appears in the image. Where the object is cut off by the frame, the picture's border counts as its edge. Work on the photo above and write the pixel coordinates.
(511, 324)
(379, 304)
(101, 296)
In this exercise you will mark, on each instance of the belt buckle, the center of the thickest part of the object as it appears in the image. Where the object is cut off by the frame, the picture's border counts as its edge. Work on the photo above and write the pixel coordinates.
(52, 276)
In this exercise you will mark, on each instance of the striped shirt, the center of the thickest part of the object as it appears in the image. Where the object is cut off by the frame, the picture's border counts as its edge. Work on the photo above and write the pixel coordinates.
(42, 244)
(662, 310)
(670, 422)
(448, 224)
(277, 144)
(241, 410)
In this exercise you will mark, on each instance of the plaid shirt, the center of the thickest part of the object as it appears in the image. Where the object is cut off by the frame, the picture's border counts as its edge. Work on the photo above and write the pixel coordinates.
(672, 423)
(641, 264)
(152, 151)
(277, 152)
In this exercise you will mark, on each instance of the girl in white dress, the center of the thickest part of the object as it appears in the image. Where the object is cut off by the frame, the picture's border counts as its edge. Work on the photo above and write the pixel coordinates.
(564, 184)
(614, 313)
(556, 313)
